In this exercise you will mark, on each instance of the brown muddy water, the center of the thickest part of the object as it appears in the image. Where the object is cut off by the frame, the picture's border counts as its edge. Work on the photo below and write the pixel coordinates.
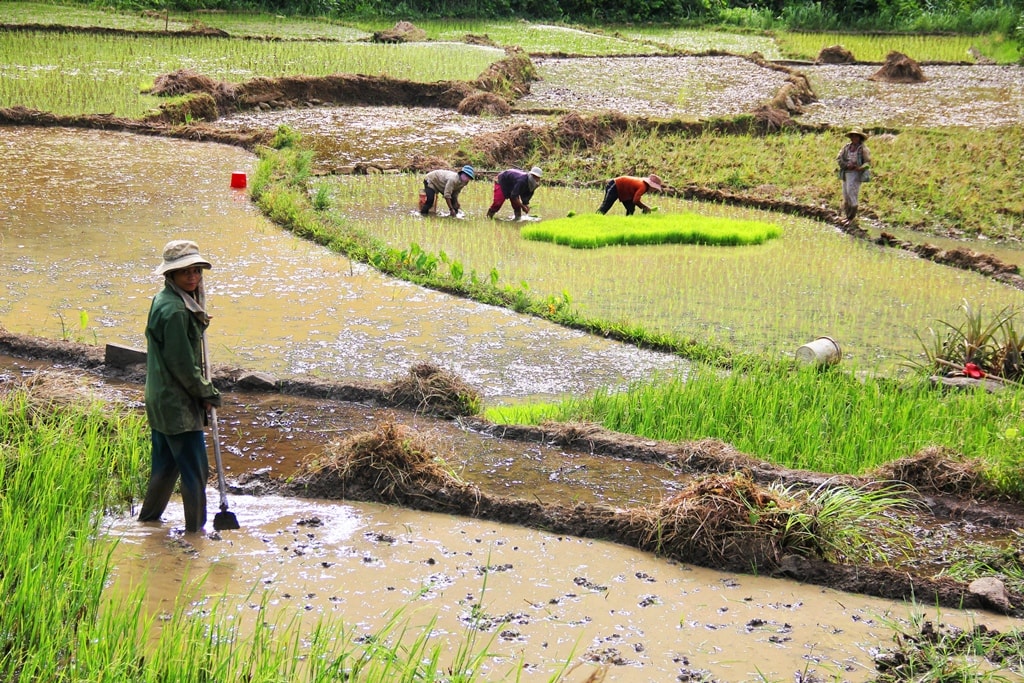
(85, 214)
(537, 599)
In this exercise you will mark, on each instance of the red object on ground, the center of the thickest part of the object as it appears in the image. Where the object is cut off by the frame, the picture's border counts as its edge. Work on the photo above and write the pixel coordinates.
(238, 180)
(972, 370)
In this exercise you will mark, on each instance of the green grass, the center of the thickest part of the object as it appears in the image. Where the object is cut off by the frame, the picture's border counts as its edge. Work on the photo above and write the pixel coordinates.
(91, 74)
(807, 419)
(874, 48)
(589, 231)
(531, 37)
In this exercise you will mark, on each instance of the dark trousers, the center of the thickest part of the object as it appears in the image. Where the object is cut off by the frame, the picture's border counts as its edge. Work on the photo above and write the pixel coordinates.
(174, 455)
(611, 193)
(431, 198)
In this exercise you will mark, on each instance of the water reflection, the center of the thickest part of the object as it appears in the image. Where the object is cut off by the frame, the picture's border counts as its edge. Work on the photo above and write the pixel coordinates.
(84, 214)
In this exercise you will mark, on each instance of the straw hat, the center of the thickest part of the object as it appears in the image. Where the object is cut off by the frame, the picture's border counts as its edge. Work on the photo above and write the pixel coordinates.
(535, 171)
(857, 131)
(180, 254)
(654, 181)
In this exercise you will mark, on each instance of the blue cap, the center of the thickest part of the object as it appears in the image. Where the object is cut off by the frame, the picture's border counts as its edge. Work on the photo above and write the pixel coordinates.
(468, 170)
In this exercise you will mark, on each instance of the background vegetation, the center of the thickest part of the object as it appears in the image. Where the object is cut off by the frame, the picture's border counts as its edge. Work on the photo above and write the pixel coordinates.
(909, 15)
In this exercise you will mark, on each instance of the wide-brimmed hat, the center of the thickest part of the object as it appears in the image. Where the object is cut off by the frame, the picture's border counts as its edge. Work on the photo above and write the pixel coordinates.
(468, 170)
(857, 131)
(535, 171)
(180, 254)
(654, 181)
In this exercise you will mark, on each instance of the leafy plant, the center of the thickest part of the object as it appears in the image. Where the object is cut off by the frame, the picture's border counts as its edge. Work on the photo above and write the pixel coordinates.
(993, 344)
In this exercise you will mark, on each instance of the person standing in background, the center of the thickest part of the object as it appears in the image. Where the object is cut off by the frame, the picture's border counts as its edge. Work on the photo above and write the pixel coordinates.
(854, 162)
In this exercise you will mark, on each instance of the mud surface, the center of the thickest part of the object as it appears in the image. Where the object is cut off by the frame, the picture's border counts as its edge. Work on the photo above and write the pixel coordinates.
(662, 87)
(383, 136)
(978, 96)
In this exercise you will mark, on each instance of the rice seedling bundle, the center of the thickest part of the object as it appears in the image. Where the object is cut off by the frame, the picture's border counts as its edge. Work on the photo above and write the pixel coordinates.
(590, 231)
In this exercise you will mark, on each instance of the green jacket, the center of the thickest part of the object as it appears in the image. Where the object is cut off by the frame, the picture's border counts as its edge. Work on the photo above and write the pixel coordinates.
(176, 387)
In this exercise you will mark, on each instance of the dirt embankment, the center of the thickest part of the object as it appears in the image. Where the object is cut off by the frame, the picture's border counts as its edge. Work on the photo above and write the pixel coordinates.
(707, 522)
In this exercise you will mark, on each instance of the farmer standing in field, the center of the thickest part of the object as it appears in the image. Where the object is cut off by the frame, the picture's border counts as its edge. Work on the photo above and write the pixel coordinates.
(448, 184)
(178, 394)
(628, 190)
(517, 187)
(854, 162)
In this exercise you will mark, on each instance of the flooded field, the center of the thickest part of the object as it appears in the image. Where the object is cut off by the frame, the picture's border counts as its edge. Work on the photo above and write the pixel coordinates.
(84, 214)
(546, 602)
(280, 304)
(534, 599)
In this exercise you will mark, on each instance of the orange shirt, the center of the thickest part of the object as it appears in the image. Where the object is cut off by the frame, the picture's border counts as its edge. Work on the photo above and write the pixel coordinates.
(630, 189)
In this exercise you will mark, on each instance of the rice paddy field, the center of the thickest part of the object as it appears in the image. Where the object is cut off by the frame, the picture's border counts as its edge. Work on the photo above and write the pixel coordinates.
(759, 300)
(95, 74)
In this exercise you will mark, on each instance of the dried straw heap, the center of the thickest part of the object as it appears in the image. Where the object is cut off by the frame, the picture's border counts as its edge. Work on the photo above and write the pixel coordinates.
(429, 389)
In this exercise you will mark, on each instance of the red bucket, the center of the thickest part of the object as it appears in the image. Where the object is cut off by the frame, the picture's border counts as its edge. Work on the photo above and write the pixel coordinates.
(238, 180)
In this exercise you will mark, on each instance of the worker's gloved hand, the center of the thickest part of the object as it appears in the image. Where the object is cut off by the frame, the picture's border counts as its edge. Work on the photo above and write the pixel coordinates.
(526, 209)
(646, 209)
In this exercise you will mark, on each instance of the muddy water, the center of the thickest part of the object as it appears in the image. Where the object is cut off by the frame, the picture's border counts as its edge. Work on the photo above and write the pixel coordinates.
(545, 599)
(84, 215)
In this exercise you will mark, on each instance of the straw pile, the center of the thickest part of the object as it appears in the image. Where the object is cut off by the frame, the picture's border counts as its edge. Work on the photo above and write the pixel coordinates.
(899, 68)
(429, 389)
(725, 521)
(938, 470)
(392, 464)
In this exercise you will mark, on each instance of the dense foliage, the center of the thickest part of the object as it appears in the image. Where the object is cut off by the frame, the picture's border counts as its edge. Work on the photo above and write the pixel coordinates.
(918, 15)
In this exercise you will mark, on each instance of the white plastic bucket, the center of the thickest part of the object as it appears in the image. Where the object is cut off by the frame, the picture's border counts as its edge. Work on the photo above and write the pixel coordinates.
(821, 351)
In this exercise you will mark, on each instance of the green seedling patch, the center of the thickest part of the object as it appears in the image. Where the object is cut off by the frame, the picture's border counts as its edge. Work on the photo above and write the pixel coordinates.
(591, 231)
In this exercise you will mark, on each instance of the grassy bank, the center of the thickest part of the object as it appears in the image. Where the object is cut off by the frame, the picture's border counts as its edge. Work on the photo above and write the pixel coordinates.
(925, 180)
(802, 418)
